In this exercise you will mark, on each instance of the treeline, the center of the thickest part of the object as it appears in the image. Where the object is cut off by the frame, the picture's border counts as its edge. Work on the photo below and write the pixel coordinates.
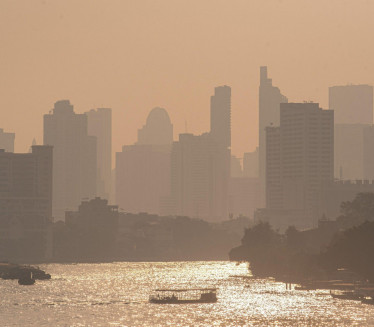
(347, 242)
(145, 237)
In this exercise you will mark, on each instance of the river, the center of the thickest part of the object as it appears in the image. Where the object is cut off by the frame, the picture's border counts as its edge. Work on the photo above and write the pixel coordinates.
(116, 294)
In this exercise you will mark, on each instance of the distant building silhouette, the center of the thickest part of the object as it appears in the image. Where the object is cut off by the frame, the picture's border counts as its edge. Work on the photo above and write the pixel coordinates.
(100, 126)
(236, 167)
(158, 129)
(352, 104)
(250, 164)
(7, 141)
(270, 98)
(220, 115)
(200, 166)
(349, 151)
(142, 177)
(93, 232)
(243, 196)
(199, 178)
(26, 205)
(368, 153)
(333, 193)
(143, 169)
(299, 160)
(74, 157)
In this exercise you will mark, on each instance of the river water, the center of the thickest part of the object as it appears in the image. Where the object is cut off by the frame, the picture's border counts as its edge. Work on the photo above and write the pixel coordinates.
(116, 294)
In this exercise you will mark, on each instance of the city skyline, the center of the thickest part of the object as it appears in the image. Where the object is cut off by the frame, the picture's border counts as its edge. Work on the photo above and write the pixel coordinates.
(63, 67)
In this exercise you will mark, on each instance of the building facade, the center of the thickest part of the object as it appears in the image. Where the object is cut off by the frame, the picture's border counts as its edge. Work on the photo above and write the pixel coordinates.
(7, 141)
(74, 157)
(99, 124)
(300, 159)
(26, 205)
(270, 99)
(143, 169)
(352, 104)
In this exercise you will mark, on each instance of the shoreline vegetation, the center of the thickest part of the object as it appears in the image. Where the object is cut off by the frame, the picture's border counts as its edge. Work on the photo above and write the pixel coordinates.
(336, 254)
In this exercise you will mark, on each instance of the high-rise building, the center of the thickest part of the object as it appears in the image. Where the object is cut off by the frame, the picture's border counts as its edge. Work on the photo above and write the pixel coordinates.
(26, 205)
(349, 151)
(270, 98)
(100, 126)
(158, 129)
(199, 178)
(142, 177)
(7, 141)
(299, 160)
(352, 104)
(143, 169)
(250, 164)
(74, 157)
(220, 115)
(368, 153)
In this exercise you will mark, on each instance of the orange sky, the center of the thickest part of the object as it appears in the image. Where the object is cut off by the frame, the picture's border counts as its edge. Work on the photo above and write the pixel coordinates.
(136, 55)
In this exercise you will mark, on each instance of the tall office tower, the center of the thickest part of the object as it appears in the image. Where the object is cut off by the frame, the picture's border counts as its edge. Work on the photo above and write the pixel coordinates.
(7, 141)
(74, 157)
(300, 159)
(349, 151)
(158, 129)
(270, 98)
(352, 104)
(368, 153)
(235, 167)
(250, 164)
(26, 205)
(199, 177)
(100, 126)
(220, 115)
(143, 169)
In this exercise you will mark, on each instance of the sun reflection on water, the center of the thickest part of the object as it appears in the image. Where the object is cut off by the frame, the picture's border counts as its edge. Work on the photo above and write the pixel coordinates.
(116, 294)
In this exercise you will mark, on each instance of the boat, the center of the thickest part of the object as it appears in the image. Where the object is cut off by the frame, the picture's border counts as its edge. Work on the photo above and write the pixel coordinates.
(367, 300)
(346, 295)
(186, 295)
(26, 280)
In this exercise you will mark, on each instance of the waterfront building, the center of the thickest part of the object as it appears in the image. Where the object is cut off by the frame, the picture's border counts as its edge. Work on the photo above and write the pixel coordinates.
(26, 205)
(7, 141)
(74, 157)
(299, 160)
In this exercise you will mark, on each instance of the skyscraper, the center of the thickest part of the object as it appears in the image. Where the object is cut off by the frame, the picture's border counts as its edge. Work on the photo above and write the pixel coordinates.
(26, 205)
(7, 141)
(100, 126)
(352, 104)
(199, 177)
(158, 129)
(143, 169)
(220, 115)
(74, 157)
(300, 159)
(270, 98)
(353, 110)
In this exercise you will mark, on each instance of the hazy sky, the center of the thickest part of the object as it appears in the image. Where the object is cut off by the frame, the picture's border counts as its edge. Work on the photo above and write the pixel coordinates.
(132, 56)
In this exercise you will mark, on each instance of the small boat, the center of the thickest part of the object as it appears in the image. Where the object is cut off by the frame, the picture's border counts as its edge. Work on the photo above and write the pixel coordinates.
(367, 300)
(26, 280)
(180, 296)
(346, 295)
